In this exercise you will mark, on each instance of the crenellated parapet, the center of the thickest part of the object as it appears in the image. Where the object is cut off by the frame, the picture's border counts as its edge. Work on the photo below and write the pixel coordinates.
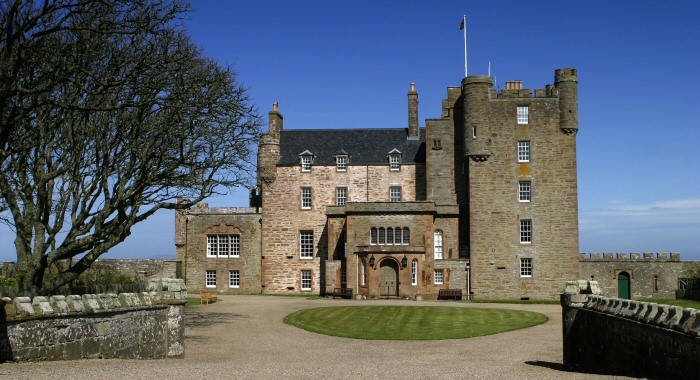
(203, 208)
(631, 256)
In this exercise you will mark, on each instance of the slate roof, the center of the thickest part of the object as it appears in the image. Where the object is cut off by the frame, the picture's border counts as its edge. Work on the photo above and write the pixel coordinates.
(364, 146)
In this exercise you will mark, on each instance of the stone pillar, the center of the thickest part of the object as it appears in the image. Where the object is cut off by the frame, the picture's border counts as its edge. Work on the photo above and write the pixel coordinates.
(173, 293)
(574, 297)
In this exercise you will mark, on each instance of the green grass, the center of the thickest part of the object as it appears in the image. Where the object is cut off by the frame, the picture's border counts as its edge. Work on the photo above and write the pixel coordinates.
(411, 322)
(674, 302)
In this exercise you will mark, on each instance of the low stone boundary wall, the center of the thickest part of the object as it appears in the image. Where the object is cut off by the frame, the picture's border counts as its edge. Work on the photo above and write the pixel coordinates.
(625, 337)
(146, 325)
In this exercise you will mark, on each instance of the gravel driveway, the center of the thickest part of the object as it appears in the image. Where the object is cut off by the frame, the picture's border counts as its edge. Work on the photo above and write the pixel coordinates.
(243, 337)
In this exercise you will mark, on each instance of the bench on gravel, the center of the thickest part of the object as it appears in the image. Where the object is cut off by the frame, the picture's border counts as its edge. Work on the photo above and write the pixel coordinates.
(206, 297)
(455, 294)
(342, 293)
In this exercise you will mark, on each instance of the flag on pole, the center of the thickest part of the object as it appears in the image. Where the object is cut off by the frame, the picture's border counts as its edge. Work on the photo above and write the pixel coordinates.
(461, 25)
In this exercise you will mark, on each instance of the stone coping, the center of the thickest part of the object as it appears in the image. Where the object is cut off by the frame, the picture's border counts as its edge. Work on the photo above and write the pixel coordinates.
(684, 320)
(161, 292)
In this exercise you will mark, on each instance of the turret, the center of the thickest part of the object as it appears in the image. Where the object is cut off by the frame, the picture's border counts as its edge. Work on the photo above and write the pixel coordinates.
(476, 95)
(413, 131)
(269, 150)
(566, 82)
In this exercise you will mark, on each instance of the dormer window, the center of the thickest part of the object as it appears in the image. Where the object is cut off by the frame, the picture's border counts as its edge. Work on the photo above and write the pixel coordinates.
(306, 158)
(341, 162)
(395, 160)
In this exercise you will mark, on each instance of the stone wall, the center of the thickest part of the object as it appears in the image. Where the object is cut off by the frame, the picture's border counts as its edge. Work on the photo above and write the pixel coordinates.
(141, 268)
(494, 172)
(128, 326)
(623, 337)
(652, 275)
(192, 227)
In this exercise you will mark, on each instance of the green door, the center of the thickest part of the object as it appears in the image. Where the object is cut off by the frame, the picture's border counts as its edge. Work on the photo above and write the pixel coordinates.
(623, 285)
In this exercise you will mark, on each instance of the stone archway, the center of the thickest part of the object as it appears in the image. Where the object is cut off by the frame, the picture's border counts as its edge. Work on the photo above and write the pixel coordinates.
(389, 278)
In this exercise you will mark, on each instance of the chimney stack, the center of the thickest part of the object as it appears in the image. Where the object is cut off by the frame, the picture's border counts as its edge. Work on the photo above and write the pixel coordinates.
(276, 122)
(413, 130)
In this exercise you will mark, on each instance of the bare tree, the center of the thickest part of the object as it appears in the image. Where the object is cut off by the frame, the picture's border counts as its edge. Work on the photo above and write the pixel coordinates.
(108, 113)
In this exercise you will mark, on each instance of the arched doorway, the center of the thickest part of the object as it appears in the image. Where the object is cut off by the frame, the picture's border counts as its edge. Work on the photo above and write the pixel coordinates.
(389, 282)
(623, 285)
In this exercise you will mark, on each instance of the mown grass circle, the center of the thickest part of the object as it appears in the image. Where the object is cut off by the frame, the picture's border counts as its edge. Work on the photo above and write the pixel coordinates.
(411, 322)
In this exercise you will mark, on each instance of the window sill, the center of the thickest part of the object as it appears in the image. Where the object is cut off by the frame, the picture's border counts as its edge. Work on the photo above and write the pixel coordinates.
(305, 258)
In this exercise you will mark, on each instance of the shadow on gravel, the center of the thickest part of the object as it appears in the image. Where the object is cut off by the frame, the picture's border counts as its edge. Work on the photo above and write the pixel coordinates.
(194, 319)
(204, 319)
(561, 367)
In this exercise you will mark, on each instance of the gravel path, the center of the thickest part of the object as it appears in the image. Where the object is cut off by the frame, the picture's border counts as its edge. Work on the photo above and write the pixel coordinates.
(243, 337)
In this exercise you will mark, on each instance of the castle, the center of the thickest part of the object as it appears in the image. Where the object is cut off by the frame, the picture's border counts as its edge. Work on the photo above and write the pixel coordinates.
(484, 200)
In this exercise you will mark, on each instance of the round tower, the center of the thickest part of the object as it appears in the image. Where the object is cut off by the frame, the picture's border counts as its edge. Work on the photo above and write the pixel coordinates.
(475, 96)
(566, 82)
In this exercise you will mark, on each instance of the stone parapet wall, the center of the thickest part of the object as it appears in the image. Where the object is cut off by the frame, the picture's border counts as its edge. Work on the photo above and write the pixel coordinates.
(141, 268)
(146, 325)
(624, 337)
(633, 256)
(649, 277)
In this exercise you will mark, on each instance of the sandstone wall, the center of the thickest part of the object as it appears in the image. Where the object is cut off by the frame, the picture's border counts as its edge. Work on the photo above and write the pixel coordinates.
(201, 221)
(284, 218)
(494, 209)
(652, 275)
(126, 326)
(622, 337)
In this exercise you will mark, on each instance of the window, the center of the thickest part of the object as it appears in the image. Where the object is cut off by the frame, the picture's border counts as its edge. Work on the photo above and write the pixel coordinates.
(341, 195)
(525, 231)
(439, 276)
(438, 244)
(523, 151)
(524, 191)
(306, 198)
(389, 236)
(523, 114)
(395, 194)
(363, 273)
(306, 280)
(234, 279)
(223, 245)
(210, 278)
(473, 132)
(306, 163)
(525, 267)
(341, 163)
(397, 235)
(437, 144)
(343, 277)
(414, 272)
(394, 162)
(306, 244)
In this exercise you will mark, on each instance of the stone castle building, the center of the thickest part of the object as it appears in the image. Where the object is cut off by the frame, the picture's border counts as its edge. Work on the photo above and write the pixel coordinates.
(483, 199)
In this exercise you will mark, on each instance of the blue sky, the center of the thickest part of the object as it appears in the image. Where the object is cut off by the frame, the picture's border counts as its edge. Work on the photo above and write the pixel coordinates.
(350, 64)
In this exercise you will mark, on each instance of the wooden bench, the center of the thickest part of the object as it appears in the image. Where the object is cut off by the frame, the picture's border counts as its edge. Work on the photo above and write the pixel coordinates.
(455, 294)
(342, 293)
(206, 297)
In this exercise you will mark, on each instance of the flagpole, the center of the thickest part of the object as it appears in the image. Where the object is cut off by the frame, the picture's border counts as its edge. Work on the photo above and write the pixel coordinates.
(464, 20)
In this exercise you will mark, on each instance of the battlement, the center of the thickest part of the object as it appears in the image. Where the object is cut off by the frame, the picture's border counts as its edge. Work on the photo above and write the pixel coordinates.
(203, 208)
(632, 256)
